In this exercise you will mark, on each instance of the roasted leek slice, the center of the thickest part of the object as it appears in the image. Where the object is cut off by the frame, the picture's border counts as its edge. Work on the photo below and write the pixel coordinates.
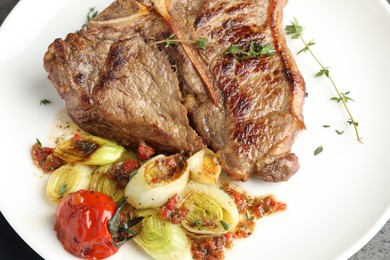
(89, 150)
(101, 182)
(156, 181)
(161, 239)
(204, 166)
(66, 179)
(210, 210)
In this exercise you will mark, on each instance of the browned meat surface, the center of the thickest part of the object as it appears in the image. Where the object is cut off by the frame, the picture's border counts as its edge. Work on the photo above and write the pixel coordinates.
(119, 85)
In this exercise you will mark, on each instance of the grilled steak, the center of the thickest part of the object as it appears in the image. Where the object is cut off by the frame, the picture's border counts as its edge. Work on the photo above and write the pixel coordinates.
(120, 85)
(117, 86)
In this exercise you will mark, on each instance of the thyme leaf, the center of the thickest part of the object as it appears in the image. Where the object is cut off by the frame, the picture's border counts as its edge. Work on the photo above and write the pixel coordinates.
(122, 231)
(225, 225)
(352, 122)
(63, 189)
(92, 13)
(255, 48)
(247, 216)
(202, 42)
(295, 30)
(307, 47)
(344, 96)
(318, 150)
(170, 40)
(38, 142)
(323, 72)
(44, 102)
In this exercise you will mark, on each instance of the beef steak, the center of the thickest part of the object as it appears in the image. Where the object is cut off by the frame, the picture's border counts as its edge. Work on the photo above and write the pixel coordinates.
(117, 83)
(119, 87)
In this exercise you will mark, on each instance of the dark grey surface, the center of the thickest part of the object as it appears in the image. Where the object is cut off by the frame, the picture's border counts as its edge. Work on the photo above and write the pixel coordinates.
(13, 247)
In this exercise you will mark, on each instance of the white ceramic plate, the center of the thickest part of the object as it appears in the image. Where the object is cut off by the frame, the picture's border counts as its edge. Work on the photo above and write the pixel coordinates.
(337, 201)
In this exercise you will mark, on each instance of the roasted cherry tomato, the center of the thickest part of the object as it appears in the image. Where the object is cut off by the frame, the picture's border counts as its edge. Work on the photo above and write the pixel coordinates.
(81, 224)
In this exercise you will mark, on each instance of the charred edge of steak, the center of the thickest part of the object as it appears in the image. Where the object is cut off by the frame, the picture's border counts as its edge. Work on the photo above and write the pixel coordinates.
(293, 76)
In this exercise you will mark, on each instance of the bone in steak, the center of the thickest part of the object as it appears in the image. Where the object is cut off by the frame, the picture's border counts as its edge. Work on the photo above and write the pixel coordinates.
(119, 85)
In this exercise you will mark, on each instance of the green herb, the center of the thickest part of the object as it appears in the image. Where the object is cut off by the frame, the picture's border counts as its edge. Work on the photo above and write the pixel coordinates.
(225, 225)
(344, 97)
(38, 142)
(307, 47)
(339, 132)
(92, 13)
(202, 42)
(170, 40)
(296, 32)
(352, 122)
(45, 102)
(63, 189)
(247, 216)
(132, 174)
(234, 49)
(122, 231)
(318, 150)
(255, 48)
(322, 72)
(86, 146)
(326, 126)
(197, 223)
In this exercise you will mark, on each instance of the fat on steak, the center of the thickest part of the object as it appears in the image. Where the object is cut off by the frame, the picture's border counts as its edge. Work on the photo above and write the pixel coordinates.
(118, 84)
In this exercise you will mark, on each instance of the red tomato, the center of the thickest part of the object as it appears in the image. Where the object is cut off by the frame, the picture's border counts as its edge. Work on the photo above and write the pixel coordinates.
(81, 224)
(144, 151)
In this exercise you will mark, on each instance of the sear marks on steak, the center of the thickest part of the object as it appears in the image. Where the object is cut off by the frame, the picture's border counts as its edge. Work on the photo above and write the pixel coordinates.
(259, 112)
(119, 85)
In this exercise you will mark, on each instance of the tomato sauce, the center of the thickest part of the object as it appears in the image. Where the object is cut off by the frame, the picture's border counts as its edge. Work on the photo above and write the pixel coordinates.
(43, 157)
(172, 212)
(250, 208)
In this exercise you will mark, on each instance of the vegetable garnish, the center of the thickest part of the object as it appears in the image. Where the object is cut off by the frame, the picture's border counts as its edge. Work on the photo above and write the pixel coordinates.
(88, 149)
(296, 32)
(204, 166)
(156, 181)
(162, 239)
(209, 204)
(66, 179)
(44, 158)
(174, 218)
(256, 49)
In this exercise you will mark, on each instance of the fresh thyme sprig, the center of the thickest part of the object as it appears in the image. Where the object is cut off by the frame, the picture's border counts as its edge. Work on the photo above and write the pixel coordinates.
(296, 31)
(255, 48)
(171, 40)
(92, 13)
